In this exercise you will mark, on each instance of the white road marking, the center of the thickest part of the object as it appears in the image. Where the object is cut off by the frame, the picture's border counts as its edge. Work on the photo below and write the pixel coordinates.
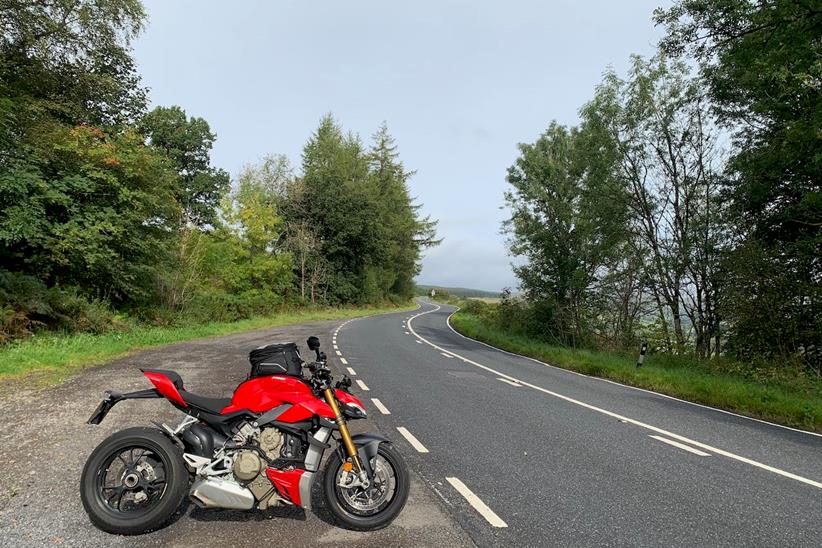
(446, 355)
(336, 347)
(407, 333)
(512, 383)
(617, 416)
(363, 385)
(351, 371)
(681, 446)
(478, 505)
(418, 342)
(378, 404)
(339, 353)
(415, 443)
(343, 361)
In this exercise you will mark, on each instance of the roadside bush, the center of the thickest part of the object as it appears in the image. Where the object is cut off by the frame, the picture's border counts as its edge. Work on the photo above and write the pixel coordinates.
(27, 304)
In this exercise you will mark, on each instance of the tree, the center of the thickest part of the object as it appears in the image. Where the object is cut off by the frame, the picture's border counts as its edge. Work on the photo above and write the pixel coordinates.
(187, 142)
(68, 61)
(406, 235)
(666, 142)
(761, 62)
(564, 223)
(97, 213)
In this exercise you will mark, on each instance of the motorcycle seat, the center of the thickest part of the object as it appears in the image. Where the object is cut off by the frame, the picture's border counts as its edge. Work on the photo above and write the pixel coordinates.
(210, 405)
(207, 404)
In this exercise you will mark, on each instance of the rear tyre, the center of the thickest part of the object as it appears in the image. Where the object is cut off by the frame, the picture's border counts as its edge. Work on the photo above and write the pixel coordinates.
(133, 482)
(373, 508)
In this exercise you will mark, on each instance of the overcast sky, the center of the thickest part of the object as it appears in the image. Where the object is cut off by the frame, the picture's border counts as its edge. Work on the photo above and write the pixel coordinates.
(459, 84)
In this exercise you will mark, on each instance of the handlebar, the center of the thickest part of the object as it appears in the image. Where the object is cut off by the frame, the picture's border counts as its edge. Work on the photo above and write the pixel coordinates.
(321, 378)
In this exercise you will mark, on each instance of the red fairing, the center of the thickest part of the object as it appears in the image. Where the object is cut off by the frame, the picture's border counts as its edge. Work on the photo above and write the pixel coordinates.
(345, 397)
(165, 387)
(287, 483)
(264, 393)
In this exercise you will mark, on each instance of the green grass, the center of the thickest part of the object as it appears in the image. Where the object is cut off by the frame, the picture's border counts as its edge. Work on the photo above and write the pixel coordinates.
(796, 403)
(55, 357)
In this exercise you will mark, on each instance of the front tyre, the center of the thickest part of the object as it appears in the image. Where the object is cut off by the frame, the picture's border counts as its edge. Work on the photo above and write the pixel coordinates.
(368, 509)
(133, 482)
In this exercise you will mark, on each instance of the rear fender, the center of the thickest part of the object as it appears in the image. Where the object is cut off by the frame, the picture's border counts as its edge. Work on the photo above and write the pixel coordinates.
(113, 398)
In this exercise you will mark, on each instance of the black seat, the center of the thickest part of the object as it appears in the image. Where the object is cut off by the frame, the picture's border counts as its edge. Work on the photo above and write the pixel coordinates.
(209, 405)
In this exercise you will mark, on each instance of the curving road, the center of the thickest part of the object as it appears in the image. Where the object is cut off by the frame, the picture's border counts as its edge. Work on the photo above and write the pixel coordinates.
(523, 453)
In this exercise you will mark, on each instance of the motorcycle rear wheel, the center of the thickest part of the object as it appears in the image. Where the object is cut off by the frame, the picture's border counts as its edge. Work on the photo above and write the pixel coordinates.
(368, 510)
(133, 482)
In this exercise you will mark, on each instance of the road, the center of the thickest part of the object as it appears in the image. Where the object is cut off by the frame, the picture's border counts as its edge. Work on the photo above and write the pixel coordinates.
(542, 456)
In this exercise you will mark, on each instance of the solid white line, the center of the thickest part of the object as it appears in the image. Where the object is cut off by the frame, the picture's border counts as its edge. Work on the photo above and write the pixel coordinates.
(702, 405)
(512, 383)
(352, 372)
(363, 385)
(623, 418)
(681, 446)
(339, 353)
(478, 505)
(446, 355)
(343, 361)
(415, 443)
(378, 404)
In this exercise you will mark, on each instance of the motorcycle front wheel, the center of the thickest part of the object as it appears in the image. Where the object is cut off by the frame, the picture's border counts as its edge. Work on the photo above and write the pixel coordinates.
(368, 509)
(133, 482)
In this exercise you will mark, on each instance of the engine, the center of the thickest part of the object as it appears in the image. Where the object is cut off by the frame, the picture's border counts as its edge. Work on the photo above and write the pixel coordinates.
(249, 467)
(245, 469)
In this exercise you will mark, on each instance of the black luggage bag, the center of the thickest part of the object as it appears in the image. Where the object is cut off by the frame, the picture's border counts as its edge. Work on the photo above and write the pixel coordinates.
(275, 359)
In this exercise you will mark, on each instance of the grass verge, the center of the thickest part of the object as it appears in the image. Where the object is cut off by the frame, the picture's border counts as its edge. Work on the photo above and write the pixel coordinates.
(797, 404)
(55, 357)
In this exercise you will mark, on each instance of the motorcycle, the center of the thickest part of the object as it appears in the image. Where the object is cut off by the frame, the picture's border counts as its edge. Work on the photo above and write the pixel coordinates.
(259, 449)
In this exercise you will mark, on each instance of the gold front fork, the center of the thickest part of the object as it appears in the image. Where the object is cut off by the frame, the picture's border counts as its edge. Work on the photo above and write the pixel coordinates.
(348, 443)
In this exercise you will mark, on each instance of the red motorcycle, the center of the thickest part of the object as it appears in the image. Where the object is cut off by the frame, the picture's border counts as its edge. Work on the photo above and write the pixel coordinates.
(259, 449)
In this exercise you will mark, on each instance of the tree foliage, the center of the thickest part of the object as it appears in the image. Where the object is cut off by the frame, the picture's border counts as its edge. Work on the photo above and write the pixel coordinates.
(105, 208)
(762, 62)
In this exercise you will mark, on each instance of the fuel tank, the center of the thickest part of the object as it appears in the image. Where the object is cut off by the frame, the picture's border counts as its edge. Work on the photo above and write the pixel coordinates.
(262, 394)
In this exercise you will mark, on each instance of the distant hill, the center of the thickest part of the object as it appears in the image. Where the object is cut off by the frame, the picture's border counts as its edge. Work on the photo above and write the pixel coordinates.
(459, 291)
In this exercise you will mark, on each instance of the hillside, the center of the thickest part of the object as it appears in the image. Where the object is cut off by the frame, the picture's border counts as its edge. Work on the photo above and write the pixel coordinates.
(459, 291)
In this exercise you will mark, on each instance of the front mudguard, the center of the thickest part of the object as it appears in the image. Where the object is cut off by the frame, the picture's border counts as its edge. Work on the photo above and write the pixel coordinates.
(367, 446)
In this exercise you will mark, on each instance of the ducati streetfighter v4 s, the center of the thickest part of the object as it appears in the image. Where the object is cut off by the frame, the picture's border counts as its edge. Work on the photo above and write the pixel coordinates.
(259, 449)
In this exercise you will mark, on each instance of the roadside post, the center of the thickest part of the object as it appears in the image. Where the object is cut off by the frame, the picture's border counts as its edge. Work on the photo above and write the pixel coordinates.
(642, 349)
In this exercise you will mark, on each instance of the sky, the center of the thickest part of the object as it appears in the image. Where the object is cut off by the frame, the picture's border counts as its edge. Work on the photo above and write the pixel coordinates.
(459, 84)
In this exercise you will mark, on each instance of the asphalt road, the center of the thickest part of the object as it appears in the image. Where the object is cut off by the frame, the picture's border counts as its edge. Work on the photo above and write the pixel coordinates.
(558, 458)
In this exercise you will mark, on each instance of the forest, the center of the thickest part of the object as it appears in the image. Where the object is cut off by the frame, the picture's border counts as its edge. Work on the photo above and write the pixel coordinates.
(684, 208)
(113, 213)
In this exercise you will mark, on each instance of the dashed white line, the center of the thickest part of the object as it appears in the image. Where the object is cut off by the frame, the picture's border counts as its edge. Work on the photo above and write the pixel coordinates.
(478, 505)
(512, 383)
(336, 347)
(379, 405)
(363, 385)
(418, 342)
(352, 372)
(446, 355)
(415, 443)
(339, 353)
(343, 361)
(407, 333)
(681, 446)
(623, 418)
